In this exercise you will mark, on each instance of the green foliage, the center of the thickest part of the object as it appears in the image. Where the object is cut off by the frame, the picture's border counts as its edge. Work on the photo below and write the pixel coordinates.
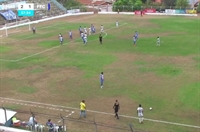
(198, 9)
(127, 5)
(182, 3)
(138, 4)
(70, 3)
(169, 2)
(144, 1)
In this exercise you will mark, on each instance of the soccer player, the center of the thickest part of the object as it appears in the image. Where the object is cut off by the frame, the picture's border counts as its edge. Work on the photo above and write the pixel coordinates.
(33, 29)
(136, 35)
(101, 28)
(85, 30)
(100, 39)
(80, 30)
(89, 30)
(140, 113)
(61, 39)
(116, 108)
(59, 35)
(70, 35)
(92, 28)
(158, 41)
(83, 108)
(82, 36)
(85, 38)
(101, 79)
(134, 40)
(117, 23)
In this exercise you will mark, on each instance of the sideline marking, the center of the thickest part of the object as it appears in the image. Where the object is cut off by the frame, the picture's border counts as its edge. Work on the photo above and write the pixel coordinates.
(33, 105)
(57, 46)
(99, 112)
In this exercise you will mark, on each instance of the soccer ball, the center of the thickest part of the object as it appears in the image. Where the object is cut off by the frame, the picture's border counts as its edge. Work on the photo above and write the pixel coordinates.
(150, 108)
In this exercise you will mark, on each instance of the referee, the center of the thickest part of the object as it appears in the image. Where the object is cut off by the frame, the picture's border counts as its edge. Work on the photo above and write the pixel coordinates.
(116, 108)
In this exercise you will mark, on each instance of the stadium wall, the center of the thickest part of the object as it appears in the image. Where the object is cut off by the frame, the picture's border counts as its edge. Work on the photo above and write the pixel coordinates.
(133, 13)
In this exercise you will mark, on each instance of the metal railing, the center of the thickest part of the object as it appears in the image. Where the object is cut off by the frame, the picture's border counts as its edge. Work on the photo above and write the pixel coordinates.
(70, 124)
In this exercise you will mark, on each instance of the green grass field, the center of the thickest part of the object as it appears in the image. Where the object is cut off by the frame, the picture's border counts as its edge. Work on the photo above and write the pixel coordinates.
(166, 78)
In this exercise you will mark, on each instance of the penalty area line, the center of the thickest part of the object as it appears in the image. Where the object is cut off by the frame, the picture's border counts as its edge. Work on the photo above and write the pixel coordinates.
(99, 112)
(55, 47)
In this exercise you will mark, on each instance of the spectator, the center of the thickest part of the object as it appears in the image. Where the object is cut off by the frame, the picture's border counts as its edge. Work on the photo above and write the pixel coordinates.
(32, 120)
(15, 122)
(83, 108)
(50, 125)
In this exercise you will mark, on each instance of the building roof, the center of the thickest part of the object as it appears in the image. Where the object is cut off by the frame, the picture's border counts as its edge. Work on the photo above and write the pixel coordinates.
(9, 114)
(85, 2)
(96, 3)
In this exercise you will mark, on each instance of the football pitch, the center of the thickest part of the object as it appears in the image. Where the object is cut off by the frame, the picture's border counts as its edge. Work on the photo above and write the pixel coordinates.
(35, 67)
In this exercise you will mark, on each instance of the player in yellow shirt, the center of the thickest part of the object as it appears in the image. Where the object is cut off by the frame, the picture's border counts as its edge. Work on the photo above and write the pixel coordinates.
(82, 108)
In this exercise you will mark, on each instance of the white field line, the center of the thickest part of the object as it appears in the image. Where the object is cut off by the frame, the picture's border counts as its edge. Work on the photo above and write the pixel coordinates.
(44, 51)
(50, 26)
(54, 47)
(99, 112)
(67, 116)
(34, 105)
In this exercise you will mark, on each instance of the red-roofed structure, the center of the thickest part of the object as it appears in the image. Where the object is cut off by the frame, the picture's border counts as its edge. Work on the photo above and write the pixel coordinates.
(94, 2)
(97, 3)
(86, 2)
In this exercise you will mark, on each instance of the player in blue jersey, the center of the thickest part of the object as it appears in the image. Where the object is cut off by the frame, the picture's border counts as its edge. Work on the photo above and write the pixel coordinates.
(101, 79)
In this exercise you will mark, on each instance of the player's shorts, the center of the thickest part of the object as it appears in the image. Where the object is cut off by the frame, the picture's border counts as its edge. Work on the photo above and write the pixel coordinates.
(116, 110)
(140, 114)
(134, 42)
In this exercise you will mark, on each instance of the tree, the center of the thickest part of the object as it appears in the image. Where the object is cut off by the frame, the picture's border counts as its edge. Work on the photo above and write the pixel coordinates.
(148, 2)
(138, 4)
(69, 3)
(169, 2)
(182, 3)
(198, 8)
(144, 1)
(128, 5)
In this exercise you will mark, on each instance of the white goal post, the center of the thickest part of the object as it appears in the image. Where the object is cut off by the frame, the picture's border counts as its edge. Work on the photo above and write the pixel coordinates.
(14, 26)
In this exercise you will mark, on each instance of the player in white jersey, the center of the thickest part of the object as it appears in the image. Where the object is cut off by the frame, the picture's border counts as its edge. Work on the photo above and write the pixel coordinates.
(158, 41)
(134, 40)
(89, 30)
(59, 35)
(101, 28)
(61, 39)
(82, 36)
(140, 113)
(70, 34)
(117, 24)
(34, 29)
(85, 38)
(85, 30)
